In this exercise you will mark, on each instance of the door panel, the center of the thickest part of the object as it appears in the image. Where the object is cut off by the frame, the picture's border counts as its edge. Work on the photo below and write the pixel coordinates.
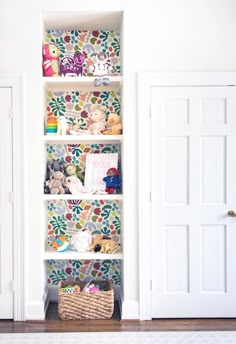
(6, 234)
(193, 169)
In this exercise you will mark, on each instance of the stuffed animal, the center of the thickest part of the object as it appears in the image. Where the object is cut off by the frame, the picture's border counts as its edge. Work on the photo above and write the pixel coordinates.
(62, 125)
(72, 66)
(114, 125)
(112, 180)
(74, 170)
(60, 244)
(54, 166)
(81, 240)
(50, 60)
(56, 182)
(101, 70)
(103, 244)
(74, 185)
(98, 118)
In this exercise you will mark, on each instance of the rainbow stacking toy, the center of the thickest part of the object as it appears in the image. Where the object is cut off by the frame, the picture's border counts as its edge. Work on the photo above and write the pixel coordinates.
(51, 126)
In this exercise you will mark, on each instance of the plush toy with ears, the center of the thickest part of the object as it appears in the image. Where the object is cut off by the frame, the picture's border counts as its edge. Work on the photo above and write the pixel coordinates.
(114, 125)
(98, 118)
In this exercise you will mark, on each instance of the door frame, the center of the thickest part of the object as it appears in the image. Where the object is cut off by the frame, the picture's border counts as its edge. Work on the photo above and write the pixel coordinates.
(16, 85)
(146, 81)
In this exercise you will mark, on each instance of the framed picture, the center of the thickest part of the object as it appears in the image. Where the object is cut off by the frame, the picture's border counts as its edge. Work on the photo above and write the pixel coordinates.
(96, 169)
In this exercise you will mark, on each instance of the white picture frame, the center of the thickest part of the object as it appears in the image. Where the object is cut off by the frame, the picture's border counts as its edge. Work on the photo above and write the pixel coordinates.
(96, 169)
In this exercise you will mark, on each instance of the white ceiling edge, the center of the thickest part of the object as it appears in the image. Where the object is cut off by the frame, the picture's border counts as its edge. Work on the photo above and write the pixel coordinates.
(84, 20)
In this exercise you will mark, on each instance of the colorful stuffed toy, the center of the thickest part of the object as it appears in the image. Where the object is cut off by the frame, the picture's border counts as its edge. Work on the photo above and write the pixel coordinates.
(114, 125)
(112, 180)
(72, 66)
(101, 70)
(50, 60)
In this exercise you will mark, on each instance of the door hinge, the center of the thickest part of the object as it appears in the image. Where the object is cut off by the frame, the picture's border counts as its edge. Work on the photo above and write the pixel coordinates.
(151, 285)
(10, 113)
(150, 197)
(11, 198)
(150, 112)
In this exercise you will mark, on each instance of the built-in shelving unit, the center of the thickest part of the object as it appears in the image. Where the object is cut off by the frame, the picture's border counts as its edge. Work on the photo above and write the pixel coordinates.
(108, 21)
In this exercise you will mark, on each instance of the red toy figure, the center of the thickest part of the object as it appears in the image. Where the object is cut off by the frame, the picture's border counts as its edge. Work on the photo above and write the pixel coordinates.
(112, 180)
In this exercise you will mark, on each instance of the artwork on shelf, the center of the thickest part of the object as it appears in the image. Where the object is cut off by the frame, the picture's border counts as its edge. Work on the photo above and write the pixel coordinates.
(77, 49)
(97, 166)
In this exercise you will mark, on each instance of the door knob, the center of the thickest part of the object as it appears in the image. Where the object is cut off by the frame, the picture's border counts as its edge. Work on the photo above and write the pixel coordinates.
(232, 213)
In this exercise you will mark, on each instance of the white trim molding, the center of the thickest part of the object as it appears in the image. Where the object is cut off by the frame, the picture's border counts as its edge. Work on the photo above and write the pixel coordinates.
(145, 83)
(16, 84)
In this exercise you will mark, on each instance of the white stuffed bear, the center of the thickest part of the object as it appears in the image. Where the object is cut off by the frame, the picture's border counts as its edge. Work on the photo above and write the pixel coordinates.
(62, 125)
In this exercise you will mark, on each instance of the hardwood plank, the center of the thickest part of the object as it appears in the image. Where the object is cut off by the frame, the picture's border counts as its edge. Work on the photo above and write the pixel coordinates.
(54, 324)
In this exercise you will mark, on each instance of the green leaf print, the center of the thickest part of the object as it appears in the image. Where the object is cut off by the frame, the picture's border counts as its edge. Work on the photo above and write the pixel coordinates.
(58, 106)
(116, 46)
(58, 224)
(76, 209)
(57, 276)
(106, 210)
(116, 223)
(104, 35)
(116, 277)
(105, 96)
(76, 263)
(116, 105)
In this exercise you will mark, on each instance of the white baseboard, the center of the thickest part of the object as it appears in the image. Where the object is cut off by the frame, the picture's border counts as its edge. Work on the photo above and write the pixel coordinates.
(35, 311)
(129, 310)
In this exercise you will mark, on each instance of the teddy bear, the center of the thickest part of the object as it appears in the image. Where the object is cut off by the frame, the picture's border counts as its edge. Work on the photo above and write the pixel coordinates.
(114, 125)
(56, 182)
(103, 244)
(97, 118)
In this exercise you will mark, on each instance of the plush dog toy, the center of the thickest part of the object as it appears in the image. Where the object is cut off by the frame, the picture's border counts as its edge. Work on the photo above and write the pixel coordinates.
(103, 244)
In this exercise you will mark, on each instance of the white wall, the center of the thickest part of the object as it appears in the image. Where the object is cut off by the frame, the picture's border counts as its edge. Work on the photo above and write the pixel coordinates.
(160, 35)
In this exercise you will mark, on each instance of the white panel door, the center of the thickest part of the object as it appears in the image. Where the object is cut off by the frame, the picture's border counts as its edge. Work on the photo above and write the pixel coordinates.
(193, 178)
(6, 231)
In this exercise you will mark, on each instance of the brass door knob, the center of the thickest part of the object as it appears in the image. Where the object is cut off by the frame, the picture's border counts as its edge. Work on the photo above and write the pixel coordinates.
(232, 213)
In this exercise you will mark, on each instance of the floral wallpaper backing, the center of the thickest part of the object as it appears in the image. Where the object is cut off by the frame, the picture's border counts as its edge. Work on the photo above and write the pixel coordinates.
(89, 43)
(66, 217)
(100, 217)
(83, 269)
(76, 154)
(75, 105)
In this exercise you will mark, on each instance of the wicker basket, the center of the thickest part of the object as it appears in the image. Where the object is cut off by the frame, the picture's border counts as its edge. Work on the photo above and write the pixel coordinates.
(84, 305)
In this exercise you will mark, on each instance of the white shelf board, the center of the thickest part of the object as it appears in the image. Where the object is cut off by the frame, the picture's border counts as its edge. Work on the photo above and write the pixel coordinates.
(49, 197)
(80, 82)
(77, 139)
(50, 253)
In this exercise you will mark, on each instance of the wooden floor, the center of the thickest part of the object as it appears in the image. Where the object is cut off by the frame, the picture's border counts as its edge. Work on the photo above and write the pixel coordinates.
(54, 324)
